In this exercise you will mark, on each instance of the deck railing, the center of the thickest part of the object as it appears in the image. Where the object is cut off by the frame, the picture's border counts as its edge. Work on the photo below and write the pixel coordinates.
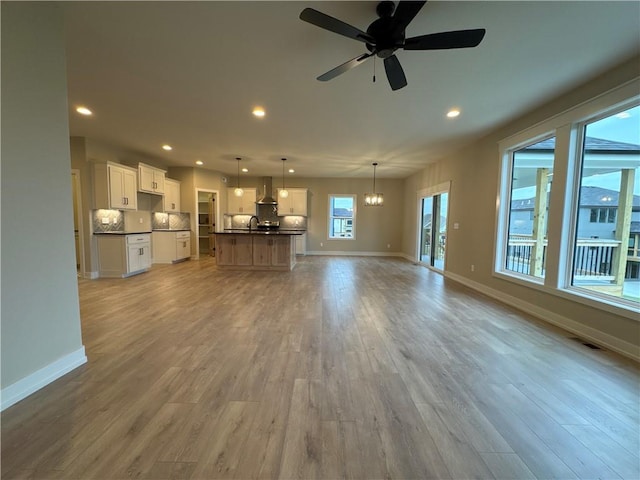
(593, 259)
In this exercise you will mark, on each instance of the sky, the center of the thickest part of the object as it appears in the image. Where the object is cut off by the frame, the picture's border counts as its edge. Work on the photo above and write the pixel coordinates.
(621, 127)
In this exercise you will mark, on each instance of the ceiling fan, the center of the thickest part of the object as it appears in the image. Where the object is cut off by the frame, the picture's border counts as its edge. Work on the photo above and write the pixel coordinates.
(387, 34)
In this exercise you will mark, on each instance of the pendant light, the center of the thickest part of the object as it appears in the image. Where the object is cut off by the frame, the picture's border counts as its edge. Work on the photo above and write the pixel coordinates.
(284, 193)
(373, 199)
(238, 192)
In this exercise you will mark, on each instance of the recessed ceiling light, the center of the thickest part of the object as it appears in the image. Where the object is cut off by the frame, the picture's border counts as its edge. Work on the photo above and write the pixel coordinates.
(291, 170)
(453, 113)
(84, 111)
(199, 162)
(167, 147)
(245, 170)
(258, 112)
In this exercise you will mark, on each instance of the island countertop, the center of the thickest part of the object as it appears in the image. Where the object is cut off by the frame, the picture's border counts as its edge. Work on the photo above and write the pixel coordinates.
(246, 231)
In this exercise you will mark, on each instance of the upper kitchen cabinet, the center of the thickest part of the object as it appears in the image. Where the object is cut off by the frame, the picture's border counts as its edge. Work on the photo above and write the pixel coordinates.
(171, 195)
(150, 179)
(244, 205)
(115, 186)
(294, 204)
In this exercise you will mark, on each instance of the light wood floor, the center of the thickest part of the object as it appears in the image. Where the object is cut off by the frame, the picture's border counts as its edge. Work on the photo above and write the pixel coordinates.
(364, 368)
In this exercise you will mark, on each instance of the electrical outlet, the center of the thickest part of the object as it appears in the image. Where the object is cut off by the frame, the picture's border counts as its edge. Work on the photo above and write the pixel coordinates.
(141, 220)
(321, 244)
(388, 245)
(105, 220)
(473, 268)
(115, 220)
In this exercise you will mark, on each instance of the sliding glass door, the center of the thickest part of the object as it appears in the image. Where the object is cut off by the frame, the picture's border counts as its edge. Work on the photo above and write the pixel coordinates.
(433, 230)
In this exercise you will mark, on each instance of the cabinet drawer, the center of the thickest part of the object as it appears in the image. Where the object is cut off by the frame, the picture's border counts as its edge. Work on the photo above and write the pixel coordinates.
(133, 239)
(183, 235)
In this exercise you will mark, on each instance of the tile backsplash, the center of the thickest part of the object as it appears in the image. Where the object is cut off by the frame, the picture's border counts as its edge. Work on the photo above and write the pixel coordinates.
(107, 220)
(171, 221)
(289, 222)
(120, 221)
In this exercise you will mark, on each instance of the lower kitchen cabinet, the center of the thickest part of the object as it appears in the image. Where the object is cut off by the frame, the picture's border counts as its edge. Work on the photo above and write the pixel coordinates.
(255, 251)
(123, 255)
(271, 251)
(171, 247)
(234, 250)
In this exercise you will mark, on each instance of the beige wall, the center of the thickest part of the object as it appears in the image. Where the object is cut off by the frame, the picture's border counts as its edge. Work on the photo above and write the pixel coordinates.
(40, 309)
(473, 172)
(376, 227)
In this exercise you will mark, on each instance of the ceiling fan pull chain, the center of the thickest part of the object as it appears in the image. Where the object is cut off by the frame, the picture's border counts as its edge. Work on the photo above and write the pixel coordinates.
(374, 69)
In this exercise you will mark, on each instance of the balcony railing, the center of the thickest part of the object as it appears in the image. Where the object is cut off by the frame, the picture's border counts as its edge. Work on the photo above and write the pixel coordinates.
(593, 259)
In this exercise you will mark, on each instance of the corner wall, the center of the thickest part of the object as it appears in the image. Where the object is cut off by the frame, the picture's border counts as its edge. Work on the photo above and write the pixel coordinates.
(41, 336)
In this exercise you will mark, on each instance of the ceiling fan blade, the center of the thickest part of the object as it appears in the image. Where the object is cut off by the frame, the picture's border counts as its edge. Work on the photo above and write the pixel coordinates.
(395, 74)
(334, 25)
(405, 12)
(446, 40)
(333, 73)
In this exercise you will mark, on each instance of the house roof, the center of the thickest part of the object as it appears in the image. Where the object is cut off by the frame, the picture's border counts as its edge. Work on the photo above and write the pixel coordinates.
(592, 144)
(589, 197)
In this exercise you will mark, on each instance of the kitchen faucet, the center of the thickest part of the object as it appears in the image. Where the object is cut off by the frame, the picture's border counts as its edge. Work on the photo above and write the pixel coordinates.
(251, 219)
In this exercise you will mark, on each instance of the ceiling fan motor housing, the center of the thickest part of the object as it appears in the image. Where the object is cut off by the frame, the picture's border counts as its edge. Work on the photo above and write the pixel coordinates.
(388, 40)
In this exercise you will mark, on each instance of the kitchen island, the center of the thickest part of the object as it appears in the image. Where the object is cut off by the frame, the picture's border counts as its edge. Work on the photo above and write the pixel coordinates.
(244, 249)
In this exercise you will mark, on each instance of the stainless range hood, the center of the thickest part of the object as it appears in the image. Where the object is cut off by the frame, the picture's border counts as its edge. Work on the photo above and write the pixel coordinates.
(267, 198)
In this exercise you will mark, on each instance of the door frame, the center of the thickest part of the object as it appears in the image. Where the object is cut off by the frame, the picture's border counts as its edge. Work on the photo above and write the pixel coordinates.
(77, 199)
(218, 219)
(439, 189)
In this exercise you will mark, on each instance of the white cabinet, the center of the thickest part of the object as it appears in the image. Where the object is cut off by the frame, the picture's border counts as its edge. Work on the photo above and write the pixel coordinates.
(115, 187)
(244, 205)
(294, 204)
(171, 247)
(301, 244)
(150, 179)
(171, 195)
(123, 255)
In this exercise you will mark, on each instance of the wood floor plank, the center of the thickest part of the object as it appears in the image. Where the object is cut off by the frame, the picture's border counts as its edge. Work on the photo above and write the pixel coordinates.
(346, 367)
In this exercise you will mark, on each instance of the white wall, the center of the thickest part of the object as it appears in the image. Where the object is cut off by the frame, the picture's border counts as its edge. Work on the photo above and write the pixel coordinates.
(41, 337)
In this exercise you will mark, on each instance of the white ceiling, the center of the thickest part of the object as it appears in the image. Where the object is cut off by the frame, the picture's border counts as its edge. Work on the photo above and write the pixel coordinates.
(189, 74)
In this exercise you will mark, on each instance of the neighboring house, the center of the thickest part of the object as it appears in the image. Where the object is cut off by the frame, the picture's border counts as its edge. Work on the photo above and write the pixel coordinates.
(596, 216)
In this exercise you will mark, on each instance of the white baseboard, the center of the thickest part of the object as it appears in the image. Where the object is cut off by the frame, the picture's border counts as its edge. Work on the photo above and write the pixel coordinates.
(338, 253)
(90, 275)
(40, 378)
(610, 342)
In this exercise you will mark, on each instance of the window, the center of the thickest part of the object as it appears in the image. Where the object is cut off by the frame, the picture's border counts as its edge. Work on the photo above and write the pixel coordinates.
(582, 240)
(531, 172)
(342, 216)
(603, 215)
(607, 217)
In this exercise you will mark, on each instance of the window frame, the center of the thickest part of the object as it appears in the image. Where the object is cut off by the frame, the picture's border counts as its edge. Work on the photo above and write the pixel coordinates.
(568, 127)
(330, 217)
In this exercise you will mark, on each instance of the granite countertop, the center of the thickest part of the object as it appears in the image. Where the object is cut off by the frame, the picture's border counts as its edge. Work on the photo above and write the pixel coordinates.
(122, 233)
(171, 229)
(246, 231)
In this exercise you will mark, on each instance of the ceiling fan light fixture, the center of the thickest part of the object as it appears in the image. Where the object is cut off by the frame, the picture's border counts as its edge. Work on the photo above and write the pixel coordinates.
(373, 199)
(284, 193)
(238, 192)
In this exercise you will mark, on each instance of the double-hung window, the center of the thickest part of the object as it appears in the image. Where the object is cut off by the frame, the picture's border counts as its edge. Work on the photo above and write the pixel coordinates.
(342, 216)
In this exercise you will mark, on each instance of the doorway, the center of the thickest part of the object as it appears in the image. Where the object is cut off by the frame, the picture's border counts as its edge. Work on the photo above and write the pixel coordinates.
(432, 240)
(207, 213)
(76, 194)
